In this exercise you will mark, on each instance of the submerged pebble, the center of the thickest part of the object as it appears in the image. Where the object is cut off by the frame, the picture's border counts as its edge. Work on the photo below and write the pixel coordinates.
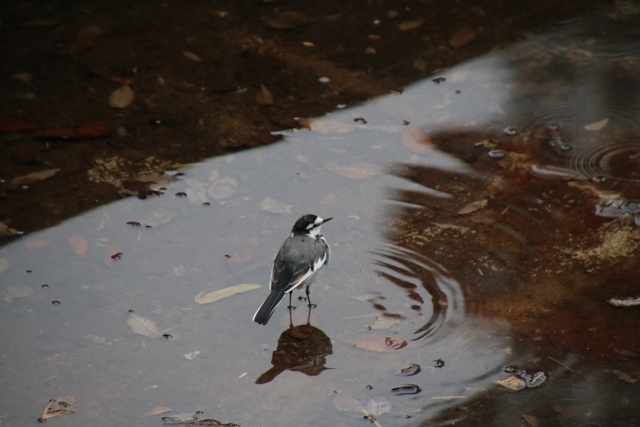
(511, 131)
(497, 154)
(406, 389)
(555, 173)
(410, 370)
(522, 378)
(625, 302)
(616, 208)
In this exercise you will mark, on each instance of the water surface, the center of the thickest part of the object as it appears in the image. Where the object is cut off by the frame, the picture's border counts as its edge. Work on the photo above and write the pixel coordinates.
(467, 238)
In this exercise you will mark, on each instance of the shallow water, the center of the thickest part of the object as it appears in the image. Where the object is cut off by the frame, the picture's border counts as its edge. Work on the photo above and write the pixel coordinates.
(443, 257)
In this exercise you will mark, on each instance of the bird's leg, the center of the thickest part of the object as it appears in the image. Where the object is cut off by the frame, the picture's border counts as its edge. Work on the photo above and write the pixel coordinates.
(290, 309)
(290, 306)
(309, 298)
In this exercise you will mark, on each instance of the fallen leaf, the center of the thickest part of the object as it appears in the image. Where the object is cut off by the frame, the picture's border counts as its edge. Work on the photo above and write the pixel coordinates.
(63, 405)
(512, 383)
(379, 343)
(195, 420)
(624, 302)
(5, 230)
(383, 322)
(473, 206)
(596, 126)
(462, 37)
(78, 244)
(21, 291)
(346, 403)
(206, 298)
(622, 376)
(531, 420)
(121, 97)
(158, 410)
(222, 188)
(85, 38)
(410, 25)
(263, 96)
(326, 125)
(24, 77)
(4, 264)
(579, 54)
(36, 244)
(41, 23)
(192, 56)
(353, 171)
(286, 19)
(416, 140)
(378, 407)
(273, 206)
(12, 124)
(32, 178)
(142, 326)
(192, 355)
(87, 130)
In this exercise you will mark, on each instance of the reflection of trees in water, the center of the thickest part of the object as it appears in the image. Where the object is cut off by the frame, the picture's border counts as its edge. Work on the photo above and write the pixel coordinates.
(303, 349)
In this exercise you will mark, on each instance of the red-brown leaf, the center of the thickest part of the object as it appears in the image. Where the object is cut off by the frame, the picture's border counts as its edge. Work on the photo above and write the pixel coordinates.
(416, 140)
(87, 130)
(11, 124)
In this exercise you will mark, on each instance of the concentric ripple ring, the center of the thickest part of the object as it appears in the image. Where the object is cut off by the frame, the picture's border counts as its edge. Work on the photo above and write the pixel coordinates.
(619, 162)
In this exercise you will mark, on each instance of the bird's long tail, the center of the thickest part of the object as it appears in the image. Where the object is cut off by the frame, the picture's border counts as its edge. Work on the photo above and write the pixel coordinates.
(265, 311)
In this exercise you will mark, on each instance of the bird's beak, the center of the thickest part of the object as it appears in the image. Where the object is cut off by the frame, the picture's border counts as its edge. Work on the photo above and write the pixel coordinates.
(326, 219)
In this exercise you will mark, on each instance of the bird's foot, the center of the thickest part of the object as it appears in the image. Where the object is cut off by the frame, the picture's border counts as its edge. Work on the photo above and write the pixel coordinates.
(291, 307)
(312, 305)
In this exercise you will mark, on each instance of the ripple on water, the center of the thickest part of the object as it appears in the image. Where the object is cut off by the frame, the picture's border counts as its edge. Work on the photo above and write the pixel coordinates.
(616, 162)
(585, 34)
(434, 295)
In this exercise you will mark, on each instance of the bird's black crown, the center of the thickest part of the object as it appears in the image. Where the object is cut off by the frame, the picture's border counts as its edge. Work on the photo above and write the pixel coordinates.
(303, 223)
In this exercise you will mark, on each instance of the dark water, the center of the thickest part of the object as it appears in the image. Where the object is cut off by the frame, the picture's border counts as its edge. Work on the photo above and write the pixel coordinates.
(451, 262)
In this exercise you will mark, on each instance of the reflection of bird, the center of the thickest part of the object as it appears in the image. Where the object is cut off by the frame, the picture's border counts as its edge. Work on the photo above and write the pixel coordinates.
(300, 349)
(301, 257)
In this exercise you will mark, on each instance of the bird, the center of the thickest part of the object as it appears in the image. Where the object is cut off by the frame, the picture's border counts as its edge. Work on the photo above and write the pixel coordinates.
(301, 258)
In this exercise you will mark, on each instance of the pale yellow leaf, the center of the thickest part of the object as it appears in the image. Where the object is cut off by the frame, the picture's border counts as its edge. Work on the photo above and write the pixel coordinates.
(263, 96)
(383, 323)
(596, 126)
(326, 125)
(206, 298)
(531, 420)
(416, 140)
(121, 97)
(192, 56)
(158, 410)
(142, 326)
(32, 178)
(462, 37)
(78, 244)
(5, 230)
(353, 171)
(473, 206)
(410, 25)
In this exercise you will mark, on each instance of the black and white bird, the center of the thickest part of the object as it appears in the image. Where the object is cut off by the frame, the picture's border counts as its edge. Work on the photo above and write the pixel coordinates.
(299, 261)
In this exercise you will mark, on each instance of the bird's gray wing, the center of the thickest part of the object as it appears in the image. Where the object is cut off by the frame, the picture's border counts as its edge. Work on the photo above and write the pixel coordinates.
(290, 270)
